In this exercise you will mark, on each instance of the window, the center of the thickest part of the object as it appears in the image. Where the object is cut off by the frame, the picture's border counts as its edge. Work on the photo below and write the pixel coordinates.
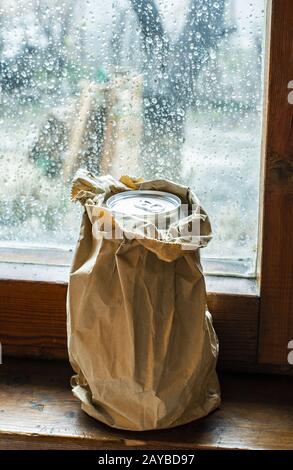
(154, 88)
(64, 104)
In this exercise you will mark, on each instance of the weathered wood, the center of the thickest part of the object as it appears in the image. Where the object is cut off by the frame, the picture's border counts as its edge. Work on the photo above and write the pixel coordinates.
(256, 413)
(106, 134)
(90, 119)
(32, 318)
(236, 320)
(276, 318)
(124, 127)
(33, 321)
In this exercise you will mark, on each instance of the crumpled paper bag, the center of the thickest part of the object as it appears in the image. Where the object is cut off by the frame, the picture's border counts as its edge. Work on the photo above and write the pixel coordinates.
(140, 337)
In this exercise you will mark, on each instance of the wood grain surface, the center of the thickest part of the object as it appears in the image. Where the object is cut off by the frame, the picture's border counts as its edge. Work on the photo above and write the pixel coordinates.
(276, 314)
(33, 321)
(38, 411)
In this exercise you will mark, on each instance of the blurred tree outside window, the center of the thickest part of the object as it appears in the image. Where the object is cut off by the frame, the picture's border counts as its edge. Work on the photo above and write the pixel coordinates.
(153, 88)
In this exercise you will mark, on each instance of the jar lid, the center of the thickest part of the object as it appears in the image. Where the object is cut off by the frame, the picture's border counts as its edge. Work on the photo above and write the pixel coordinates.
(143, 203)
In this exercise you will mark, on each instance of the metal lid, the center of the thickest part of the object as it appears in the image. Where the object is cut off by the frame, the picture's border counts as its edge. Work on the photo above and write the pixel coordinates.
(143, 203)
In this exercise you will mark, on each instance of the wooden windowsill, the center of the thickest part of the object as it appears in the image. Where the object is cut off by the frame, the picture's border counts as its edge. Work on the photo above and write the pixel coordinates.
(33, 314)
(55, 274)
(37, 410)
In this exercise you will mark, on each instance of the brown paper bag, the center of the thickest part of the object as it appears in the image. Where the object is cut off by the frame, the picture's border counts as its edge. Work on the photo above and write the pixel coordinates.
(140, 337)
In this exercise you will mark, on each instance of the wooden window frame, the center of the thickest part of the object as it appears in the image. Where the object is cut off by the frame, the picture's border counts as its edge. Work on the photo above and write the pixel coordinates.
(253, 318)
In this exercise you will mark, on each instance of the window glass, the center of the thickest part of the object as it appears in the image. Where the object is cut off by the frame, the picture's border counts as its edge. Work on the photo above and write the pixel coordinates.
(153, 88)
